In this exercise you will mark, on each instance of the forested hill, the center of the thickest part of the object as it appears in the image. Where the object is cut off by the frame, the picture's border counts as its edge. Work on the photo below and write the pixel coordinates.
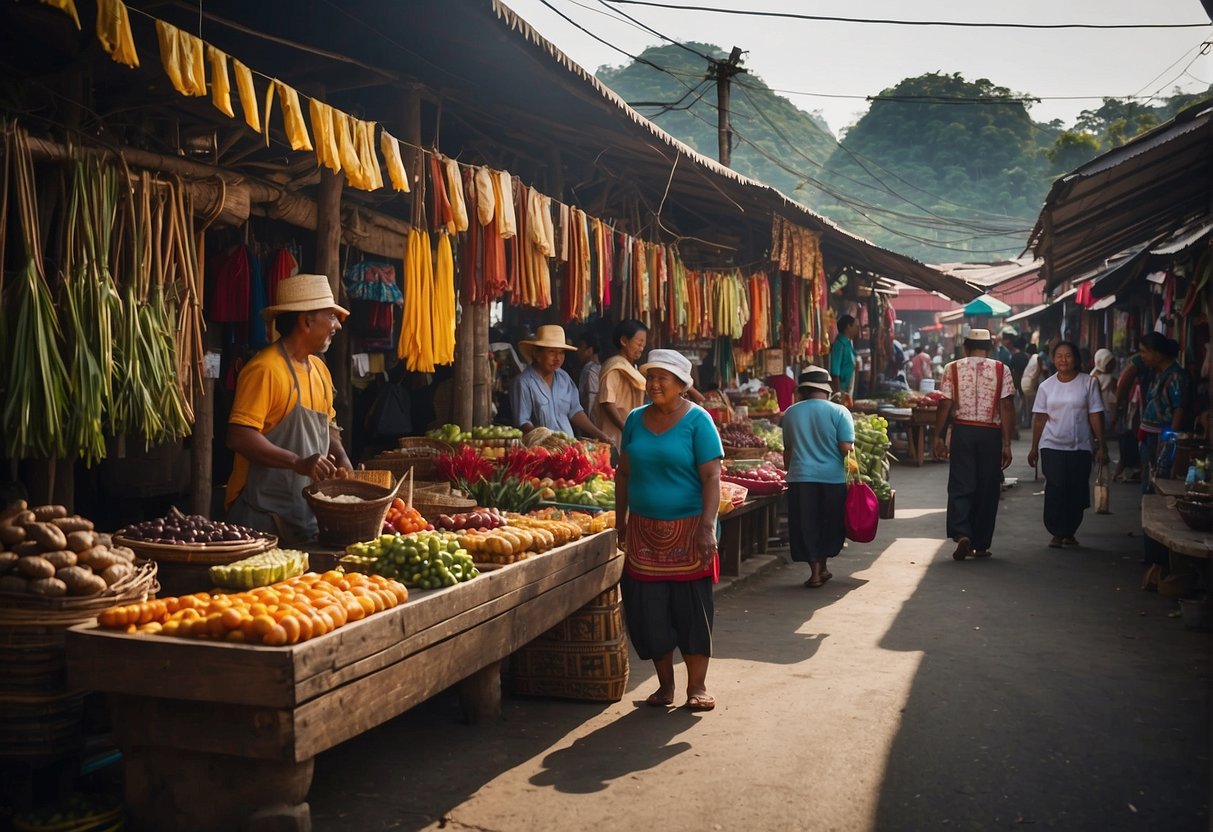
(939, 168)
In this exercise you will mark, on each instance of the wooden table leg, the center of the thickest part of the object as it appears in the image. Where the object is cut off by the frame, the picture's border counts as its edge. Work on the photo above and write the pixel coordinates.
(168, 788)
(480, 694)
(762, 524)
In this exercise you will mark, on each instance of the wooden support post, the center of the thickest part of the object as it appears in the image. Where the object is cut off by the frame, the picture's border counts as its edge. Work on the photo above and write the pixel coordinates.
(465, 361)
(412, 135)
(328, 262)
(482, 380)
(202, 444)
(480, 694)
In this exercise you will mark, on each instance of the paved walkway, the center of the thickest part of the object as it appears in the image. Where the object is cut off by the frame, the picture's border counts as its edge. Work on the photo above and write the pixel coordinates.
(1038, 689)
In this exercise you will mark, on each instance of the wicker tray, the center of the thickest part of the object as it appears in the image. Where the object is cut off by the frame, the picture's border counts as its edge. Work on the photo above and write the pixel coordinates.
(23, 610)
(208, 554)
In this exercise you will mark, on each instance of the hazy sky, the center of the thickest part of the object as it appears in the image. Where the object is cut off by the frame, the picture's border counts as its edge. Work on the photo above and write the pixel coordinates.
(850, 59)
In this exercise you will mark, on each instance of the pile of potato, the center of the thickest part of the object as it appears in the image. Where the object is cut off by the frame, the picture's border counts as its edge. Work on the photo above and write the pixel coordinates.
(44, 551)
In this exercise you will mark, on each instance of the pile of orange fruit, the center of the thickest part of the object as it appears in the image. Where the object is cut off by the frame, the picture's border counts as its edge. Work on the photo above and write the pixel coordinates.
(287, 612)
(404, 519)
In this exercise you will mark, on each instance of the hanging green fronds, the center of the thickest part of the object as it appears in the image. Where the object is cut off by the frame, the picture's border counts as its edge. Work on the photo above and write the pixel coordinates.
(36, 383)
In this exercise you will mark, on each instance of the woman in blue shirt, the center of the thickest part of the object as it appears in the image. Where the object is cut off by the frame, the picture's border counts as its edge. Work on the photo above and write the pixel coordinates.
(817, 436)
(667, 496)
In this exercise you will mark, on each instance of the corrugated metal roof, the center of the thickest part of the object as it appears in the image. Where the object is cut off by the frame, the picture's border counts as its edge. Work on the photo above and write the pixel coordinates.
(1153, 185)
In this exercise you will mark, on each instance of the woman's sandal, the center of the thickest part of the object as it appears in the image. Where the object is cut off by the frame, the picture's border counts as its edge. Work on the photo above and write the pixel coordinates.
(660, 700)
(700, 702)
(814, 583)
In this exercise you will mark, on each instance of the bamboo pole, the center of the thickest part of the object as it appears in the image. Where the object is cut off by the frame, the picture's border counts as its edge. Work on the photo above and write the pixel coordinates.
(482, 381)
(328, 262)
(202, 444)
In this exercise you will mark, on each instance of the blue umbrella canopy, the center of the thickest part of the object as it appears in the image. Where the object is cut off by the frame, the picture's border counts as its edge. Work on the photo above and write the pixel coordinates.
(989, 306)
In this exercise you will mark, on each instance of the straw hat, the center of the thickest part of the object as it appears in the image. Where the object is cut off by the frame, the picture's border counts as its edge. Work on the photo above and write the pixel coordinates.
(815, 378)
(673, 362)
(549, 336)
(304, 293)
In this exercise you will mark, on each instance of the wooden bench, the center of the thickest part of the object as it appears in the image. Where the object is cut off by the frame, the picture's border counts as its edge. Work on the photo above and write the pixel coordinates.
(223, 736)
(746, 530)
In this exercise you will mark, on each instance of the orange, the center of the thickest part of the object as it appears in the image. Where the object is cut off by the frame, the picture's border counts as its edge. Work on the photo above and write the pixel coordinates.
(305, 626)
(320, 626)
(231, 618)
(275, 636)
(262, 624)
(257, 608)
(171, 628)
(290, 624)
(236, 636)
(367, 605)
(214, 625)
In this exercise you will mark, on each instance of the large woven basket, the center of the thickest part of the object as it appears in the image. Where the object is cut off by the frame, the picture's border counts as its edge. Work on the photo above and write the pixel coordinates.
(744, 453)
(341, 524)
(416, 458)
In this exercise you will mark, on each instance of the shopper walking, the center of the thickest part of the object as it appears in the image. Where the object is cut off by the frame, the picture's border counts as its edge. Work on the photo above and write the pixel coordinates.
(978, 394)
(817, 436)
(667, 497)
(620, 384)
(1067, 422)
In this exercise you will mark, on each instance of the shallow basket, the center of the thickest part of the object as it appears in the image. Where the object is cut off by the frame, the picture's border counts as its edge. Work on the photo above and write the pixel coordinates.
(744, 453)
(341, 524)
(431, 504)
(26, 612)
(424, 442)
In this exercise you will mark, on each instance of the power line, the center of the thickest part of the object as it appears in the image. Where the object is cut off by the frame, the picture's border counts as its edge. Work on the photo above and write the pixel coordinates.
(891, 22)
(679, 44)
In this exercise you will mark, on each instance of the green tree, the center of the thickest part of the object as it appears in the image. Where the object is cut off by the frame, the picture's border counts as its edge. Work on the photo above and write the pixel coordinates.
(1072, 149)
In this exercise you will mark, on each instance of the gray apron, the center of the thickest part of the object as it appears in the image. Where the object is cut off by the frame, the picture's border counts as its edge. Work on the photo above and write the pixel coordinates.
(272, 500)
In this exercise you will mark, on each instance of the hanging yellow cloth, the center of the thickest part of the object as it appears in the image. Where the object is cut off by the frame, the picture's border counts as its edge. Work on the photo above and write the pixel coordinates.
(193, 64)
(170, 54)
(322, 131)
(345, 147)
(292, 117)
(507, 223)
(444, 303)
(68, 7)
(221, 85)
(486, 195)
(367, 156)
(114, 32)
(269, 109)
(248, 95)
(395, 167)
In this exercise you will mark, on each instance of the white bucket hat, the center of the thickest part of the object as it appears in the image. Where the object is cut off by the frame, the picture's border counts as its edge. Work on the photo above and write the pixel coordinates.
(815, 378)
(673, 362)
(304, 293)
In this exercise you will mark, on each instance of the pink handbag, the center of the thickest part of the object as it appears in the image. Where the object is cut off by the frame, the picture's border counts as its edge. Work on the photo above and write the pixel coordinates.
(861, 512)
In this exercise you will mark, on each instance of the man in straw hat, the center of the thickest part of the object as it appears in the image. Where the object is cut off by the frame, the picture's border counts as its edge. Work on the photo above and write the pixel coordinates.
(979, 395)
(282, 426)
(544, 395)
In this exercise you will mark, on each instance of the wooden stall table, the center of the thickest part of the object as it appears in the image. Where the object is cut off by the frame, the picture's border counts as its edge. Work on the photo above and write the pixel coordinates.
(1161, 522)
(1170, 488)
(223, 736)
(746, 530)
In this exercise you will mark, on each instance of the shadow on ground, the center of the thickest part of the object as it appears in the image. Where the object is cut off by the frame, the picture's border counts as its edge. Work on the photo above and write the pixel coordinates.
(1052, 691)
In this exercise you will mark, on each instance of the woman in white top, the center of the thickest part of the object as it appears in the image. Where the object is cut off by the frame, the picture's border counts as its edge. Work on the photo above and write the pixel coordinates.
(1067, 418)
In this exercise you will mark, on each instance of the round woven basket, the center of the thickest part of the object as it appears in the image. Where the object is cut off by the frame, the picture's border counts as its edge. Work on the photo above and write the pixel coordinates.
(1198, 516)
(430, 504)
(341, 524)
(416, 454)
(744, 453)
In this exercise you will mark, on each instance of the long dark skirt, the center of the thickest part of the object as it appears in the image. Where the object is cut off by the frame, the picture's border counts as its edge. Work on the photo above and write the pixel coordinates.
(974, 483)
(662, 615)
(816, 526)
(1067, 489)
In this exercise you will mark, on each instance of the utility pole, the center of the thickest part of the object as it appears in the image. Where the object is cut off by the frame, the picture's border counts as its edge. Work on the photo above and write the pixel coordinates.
(722, 72)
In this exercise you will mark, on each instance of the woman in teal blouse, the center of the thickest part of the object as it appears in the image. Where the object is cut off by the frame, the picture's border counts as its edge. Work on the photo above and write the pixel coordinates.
(667, 495)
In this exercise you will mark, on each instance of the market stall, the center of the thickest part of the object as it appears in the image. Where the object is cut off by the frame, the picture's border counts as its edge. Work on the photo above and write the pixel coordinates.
(198, 718)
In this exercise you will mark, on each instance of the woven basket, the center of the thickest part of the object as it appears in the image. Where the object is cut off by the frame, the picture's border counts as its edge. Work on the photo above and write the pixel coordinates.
(424, 442)
(744, 453)
(344, 523)
(21, 610)
(430, 504)
(1198, 516)
(418, 460)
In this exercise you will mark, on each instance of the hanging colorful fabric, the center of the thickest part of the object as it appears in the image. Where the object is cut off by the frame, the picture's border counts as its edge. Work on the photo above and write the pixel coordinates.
(248, 95)
(114, 32)
(221, 85)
